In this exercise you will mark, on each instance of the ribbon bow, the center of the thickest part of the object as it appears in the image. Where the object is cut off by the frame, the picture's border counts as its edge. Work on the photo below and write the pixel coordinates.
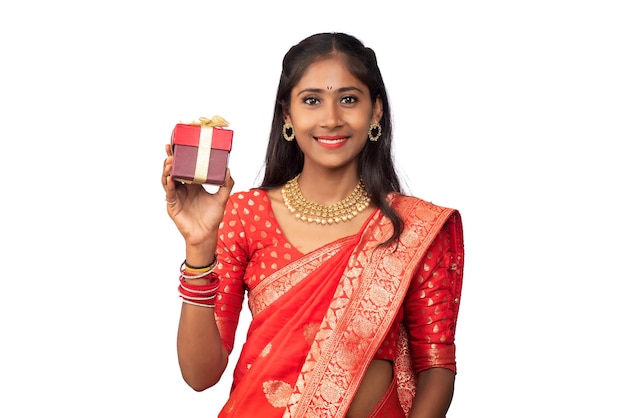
(214, 121)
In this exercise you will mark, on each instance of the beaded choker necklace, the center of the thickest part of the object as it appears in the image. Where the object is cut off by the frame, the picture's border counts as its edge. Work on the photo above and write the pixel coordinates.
(311, 212)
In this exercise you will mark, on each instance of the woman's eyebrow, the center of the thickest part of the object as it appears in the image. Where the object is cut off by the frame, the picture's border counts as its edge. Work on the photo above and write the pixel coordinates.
(319, 91)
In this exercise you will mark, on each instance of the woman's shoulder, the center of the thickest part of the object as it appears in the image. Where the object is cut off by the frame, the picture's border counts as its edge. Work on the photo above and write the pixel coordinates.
(255, 195)
(247, 202)
(403, 199)
(419, 212)
(407, 204)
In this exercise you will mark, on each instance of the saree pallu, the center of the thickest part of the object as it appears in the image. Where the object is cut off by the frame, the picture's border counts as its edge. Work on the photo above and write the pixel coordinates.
(319, 319)
(282, 331)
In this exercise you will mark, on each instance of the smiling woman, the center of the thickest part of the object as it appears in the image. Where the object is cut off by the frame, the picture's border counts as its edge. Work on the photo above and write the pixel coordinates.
(353, 286)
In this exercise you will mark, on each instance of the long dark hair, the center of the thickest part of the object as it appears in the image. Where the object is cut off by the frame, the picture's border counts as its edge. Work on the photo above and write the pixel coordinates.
(284, 160)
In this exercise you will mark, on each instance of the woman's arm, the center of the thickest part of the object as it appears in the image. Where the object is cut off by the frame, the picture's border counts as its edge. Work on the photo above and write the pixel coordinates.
(433, 396)
(201, 355)
(197, 215)
(431, 310)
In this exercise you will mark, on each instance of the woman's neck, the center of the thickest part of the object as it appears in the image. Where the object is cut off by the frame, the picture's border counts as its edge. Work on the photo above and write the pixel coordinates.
(327, 188)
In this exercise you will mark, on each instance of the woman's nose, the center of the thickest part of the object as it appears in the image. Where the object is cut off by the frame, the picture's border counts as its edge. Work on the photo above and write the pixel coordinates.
(332, 117)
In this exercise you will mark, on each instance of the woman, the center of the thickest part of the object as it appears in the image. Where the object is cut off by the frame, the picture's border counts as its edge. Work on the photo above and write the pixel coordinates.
(353, 287)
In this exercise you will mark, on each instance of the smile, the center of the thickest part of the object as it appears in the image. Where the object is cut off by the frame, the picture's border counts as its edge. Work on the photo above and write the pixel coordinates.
(331, 141)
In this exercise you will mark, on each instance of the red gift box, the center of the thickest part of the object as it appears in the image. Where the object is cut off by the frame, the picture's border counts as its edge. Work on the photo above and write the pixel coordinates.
(201, 151)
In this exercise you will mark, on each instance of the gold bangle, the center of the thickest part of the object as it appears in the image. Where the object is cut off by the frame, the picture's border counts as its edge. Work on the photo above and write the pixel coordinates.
(203, 269)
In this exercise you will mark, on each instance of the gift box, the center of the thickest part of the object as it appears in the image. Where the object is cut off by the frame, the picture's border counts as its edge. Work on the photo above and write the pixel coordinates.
(201, 150)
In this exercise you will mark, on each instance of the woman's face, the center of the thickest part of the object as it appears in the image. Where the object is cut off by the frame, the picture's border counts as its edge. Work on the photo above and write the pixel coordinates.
(331, 112)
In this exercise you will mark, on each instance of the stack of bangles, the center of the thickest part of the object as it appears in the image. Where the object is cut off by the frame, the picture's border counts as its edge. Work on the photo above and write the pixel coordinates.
(199, 294)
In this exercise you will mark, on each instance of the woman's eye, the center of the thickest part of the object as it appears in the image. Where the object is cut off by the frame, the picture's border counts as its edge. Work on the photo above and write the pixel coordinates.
(311, 101)
(349, 100)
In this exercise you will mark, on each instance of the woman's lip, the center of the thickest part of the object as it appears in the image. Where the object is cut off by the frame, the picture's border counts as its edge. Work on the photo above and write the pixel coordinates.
(331, 138)
(331, 142)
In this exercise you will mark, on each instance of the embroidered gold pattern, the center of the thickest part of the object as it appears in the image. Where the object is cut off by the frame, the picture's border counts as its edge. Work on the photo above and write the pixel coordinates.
(266, 350)
(282, 280)
(330, 392)
(345, 356)
(379, 296)
(277, 393)
(404, 372)
(310, 330)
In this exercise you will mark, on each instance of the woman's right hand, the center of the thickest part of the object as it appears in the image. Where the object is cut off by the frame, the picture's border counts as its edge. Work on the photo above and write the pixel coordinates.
(196, 212)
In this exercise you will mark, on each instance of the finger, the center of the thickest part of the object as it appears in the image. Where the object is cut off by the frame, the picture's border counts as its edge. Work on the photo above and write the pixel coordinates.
(170, 191)
(226, 189)
(167, 171)
(168, 151)
(169, 184)
(167, 167)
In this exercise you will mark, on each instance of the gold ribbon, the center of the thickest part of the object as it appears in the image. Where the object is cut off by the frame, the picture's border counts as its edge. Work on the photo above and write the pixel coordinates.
(204, 154)
(209, 123)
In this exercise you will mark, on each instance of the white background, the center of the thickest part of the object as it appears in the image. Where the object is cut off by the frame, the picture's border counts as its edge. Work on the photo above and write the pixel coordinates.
(513, 112)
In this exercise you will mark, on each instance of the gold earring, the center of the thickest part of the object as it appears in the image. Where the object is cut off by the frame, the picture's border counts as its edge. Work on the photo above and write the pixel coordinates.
(374, 132)
(288, 132)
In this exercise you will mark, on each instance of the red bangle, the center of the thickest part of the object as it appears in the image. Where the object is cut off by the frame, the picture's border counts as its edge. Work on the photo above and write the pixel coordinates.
(201, 295)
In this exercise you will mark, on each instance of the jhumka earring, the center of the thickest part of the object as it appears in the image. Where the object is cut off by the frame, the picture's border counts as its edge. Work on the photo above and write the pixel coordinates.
(288, 132)
(374, 132)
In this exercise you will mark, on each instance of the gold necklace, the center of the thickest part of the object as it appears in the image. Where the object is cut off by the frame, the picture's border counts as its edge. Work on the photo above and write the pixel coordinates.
(311, 212)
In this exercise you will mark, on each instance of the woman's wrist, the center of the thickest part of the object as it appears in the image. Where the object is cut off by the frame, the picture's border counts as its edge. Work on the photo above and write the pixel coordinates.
(199, 284)
(199, 255)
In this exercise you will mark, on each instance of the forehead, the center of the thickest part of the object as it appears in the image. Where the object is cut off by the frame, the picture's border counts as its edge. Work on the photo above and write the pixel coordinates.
(330, 71)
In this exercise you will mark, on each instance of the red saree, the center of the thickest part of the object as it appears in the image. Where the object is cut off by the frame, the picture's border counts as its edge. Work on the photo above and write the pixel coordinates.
(319, 318)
